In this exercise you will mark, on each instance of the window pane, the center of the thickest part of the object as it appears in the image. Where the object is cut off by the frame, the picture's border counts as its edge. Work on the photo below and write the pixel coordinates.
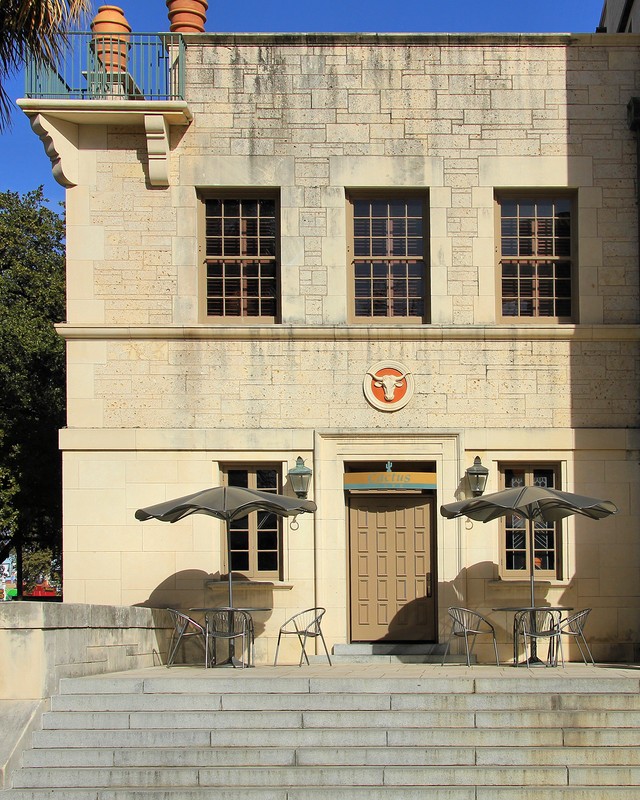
(538, 234)
(516, 552)
(255, 539)
(240, 229)
(388, 229)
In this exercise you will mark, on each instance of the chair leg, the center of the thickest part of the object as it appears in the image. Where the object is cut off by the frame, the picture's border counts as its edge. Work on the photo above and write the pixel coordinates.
(326, 649)
(495, 649)
(173, 648)
(446, 649)
(275, 660)
(466, 646)
(584, 658)
(303, 642)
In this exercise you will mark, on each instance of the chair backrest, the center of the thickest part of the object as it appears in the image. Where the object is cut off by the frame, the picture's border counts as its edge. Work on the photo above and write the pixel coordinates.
(539, 622)
(229, 621)
(182, 621)
(464, 619)
(576, 622)
(307, 621)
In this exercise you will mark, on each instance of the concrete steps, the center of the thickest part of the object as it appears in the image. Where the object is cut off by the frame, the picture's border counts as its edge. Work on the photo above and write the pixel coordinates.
(264, 734)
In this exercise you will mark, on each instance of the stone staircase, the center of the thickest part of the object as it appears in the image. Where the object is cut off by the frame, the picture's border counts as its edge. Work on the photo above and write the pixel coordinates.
(380, 733)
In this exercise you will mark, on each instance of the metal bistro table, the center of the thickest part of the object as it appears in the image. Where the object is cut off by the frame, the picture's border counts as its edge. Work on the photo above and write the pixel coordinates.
(210, 610)
(533, 658)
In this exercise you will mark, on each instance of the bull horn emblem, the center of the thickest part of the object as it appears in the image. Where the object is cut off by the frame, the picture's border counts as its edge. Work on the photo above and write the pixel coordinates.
(388, 383)
(395, 381)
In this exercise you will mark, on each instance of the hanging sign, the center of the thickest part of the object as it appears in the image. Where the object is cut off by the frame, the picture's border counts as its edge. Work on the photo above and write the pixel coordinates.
(384, 481)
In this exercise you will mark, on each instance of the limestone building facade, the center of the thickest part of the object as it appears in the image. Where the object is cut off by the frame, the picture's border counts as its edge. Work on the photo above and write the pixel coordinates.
(247, 264)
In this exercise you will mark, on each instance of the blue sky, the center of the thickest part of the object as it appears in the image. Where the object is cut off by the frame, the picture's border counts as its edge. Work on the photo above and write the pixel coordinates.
(25, 165)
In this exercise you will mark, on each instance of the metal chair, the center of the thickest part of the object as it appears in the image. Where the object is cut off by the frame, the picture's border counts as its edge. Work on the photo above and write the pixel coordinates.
(229, 624)
(185, 628)
(467, 623)
(305, 625)
(533, 626)
(574, 626)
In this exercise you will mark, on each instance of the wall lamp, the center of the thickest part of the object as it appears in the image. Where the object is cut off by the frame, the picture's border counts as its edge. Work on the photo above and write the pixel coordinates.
(300, 477)
(477, 476)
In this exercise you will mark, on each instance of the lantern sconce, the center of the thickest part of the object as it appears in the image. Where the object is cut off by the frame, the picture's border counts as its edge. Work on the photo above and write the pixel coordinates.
(300, 477)
(477, 476)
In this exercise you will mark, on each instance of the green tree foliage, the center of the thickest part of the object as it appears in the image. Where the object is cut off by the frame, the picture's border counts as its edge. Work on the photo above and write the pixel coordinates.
(32, 371)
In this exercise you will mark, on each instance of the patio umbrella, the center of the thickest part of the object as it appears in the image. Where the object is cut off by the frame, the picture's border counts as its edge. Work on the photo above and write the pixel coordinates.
(531, 503)
(227, 503)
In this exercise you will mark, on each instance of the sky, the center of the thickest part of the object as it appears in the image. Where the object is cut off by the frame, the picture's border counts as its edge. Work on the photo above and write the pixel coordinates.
(24, 165)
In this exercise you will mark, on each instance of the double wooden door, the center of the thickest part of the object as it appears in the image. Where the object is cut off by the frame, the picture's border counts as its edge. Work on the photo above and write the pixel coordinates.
(392, 568)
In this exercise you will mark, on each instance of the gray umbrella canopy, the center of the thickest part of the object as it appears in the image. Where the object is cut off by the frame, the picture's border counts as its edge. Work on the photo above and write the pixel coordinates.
(227, 503)
(533, 503)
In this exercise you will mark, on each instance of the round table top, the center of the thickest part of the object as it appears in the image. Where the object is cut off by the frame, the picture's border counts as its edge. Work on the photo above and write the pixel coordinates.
(226, 608)
(534, 608)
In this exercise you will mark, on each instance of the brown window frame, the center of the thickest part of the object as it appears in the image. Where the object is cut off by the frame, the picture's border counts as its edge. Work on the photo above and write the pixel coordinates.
(547, 263)
(244, 277)
(255, 523)
(358, 261)
(514, 532)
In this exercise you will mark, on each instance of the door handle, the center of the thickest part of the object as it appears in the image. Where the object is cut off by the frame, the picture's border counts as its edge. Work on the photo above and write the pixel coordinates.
(428, 584)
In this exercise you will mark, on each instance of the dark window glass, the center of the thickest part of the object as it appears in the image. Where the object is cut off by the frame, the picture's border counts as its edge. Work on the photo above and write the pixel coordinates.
(388, 242)
(241, 256)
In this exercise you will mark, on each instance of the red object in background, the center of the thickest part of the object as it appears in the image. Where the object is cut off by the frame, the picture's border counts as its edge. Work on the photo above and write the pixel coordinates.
(42, 591)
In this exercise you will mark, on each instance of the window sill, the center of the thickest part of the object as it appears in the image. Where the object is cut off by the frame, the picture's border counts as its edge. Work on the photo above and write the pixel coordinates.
(240, 584)
(518, 582)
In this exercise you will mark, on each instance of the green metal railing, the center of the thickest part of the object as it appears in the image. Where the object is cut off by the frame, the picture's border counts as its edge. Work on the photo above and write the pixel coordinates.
(136, 66)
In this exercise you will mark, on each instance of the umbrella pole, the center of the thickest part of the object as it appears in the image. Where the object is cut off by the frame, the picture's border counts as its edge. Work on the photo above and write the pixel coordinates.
(533, 657)
(532, 563)
(230, 577)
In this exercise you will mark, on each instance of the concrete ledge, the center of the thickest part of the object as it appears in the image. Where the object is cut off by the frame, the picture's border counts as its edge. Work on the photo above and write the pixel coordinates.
(49, 641)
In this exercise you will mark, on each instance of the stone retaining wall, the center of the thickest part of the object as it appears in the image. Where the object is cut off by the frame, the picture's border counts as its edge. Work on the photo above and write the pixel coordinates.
(43, 642)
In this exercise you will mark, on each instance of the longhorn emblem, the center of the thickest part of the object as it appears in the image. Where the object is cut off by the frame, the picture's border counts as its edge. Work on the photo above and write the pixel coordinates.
(388, 383)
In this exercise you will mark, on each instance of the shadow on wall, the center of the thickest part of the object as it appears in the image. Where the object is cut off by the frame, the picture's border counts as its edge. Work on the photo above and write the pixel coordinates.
(192, 588)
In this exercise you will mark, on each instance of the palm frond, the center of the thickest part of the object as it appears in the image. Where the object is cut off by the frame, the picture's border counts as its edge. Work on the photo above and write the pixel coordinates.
(33, 29)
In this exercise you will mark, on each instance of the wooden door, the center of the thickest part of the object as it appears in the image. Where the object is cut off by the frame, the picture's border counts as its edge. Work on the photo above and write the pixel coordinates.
(392, 568)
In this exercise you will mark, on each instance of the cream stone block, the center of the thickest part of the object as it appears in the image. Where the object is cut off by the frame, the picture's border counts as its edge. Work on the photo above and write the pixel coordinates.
(386, 171)
(484, 308)
(99, 592)
(85, 242)
(93, 565)
(85, 413)
(97, 474)
(208, 170)
(104, 506)
(591, 310)
(91, 538)
(590, 250)
(292, 252)
(544, 171)
(98, 439)
(81, 381)
(484, 256)
(80, 281)
(147, 569)
(441, 309)
(81, 311)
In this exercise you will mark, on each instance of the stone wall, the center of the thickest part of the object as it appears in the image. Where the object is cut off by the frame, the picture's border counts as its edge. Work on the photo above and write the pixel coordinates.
(44, 642)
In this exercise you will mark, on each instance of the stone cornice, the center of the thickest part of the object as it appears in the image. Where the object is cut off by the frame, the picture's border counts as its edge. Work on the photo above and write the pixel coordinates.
(74, 332)
(405, 39)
